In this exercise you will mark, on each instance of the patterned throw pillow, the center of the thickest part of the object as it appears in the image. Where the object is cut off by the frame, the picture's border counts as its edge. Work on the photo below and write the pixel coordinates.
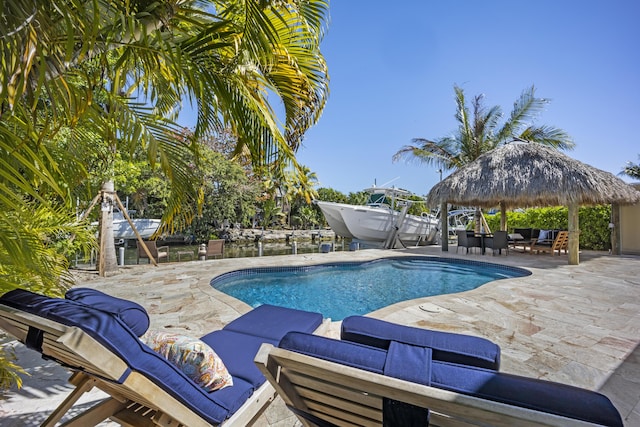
(193, 357)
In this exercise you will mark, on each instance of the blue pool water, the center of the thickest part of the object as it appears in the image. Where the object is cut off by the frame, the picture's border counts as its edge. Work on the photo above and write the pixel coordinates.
(343, 289)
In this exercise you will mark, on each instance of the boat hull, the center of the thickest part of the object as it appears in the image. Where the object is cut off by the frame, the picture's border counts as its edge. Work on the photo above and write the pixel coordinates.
(145, 227)
(374, 224)
(333, 214)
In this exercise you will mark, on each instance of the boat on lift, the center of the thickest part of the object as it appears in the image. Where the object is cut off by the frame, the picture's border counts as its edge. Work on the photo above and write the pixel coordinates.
(382, 221)
(122, 230)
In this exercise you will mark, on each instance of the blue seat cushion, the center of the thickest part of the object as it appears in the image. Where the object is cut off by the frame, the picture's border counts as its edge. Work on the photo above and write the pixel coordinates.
(109, 330)
(545, 396)
(273, 322)
(237, 351)
(446, 346)
(402, 361)
(343, 352)
(131, 313)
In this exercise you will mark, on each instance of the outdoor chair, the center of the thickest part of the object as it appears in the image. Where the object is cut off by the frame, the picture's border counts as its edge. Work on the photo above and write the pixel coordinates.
(215, 248)
(524, 237)
(559, 243)
(157, 252)
(467, 240)
(403, 378)
(96, 336)
(497, 242)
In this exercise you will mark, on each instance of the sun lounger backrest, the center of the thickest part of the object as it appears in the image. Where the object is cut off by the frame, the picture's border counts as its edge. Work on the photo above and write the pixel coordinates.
(462, 392)
(109, 331)
(446, 346)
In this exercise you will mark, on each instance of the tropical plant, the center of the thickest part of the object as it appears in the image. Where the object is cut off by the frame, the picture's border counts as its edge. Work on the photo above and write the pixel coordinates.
(594, 222)
(305, 217)
(631, 169)
(331, 195)
(481, 129)
(113, 75)
(357, 198)
(123, 70)
(9, 371)
(229, 194)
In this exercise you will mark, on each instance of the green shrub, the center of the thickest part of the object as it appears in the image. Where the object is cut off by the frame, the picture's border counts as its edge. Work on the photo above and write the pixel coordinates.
(594, 223)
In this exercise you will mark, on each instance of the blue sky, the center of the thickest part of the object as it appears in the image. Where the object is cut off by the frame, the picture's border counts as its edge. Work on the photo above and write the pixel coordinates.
(393, 67)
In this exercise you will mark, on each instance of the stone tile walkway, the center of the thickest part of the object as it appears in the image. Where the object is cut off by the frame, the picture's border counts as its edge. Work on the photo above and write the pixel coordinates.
(578, 325)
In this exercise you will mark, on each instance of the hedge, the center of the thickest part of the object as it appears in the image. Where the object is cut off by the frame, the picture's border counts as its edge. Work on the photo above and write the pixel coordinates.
(595, 233)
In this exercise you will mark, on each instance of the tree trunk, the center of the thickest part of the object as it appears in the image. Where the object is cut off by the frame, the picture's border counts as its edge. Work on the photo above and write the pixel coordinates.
(107, 260)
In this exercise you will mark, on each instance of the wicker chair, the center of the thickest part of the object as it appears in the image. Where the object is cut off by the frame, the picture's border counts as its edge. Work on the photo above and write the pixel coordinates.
(466, 240)
(157, 252)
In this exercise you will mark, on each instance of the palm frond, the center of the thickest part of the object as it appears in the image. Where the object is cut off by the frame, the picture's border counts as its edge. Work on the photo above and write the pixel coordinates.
(548, 135)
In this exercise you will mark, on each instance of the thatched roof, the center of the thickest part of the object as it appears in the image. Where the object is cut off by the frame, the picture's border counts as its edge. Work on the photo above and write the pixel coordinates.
(530, 174)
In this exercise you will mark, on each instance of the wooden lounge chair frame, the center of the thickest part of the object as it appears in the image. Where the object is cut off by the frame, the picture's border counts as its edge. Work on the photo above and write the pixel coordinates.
(560, 243)
(347, 396)
(137, 401)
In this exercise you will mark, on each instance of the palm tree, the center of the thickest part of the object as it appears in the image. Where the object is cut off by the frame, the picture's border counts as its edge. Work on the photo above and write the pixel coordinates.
(481, 130)
(631, 169)
(114, 75)
(123, 70)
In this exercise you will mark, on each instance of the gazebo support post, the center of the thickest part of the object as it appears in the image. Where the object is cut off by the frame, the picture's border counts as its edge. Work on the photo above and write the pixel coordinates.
(503, 216)
(615, 229)
(574, 235)
(444, 227)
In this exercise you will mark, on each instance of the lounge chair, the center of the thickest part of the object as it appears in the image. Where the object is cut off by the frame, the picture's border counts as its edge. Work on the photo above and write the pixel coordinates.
(157, 252)
(328, 382)
(559, 243)
(96, 336)
(467, 240)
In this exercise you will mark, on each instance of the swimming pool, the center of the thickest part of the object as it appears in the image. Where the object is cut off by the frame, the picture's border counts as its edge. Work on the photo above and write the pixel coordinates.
(339, 290)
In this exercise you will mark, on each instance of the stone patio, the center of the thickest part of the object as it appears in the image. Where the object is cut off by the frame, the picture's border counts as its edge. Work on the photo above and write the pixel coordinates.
(578, 325)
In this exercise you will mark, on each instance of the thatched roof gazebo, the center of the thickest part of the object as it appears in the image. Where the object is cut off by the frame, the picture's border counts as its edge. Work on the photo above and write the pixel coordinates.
(521, 174)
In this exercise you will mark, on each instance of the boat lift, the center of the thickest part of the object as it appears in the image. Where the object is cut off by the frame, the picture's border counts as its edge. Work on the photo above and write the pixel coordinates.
(393, 233)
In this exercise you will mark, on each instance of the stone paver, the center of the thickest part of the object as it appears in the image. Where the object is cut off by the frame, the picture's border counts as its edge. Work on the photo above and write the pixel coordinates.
(578, 325)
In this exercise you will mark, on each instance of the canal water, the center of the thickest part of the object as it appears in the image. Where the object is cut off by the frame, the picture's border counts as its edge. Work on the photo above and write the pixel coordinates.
(182, 253)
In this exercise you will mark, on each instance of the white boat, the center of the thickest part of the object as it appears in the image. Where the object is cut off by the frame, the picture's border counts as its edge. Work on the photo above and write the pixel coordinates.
(377, 222)
(122, 229)
(145, 226)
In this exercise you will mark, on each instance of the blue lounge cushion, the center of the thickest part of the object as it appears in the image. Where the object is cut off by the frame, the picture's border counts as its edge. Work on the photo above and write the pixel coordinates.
(109, 330)
(446, 346)
(544, 235)
(545, 396)
(351, 354)
(131, 313)
(238, 351)
(409, 362)
(273, 322)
